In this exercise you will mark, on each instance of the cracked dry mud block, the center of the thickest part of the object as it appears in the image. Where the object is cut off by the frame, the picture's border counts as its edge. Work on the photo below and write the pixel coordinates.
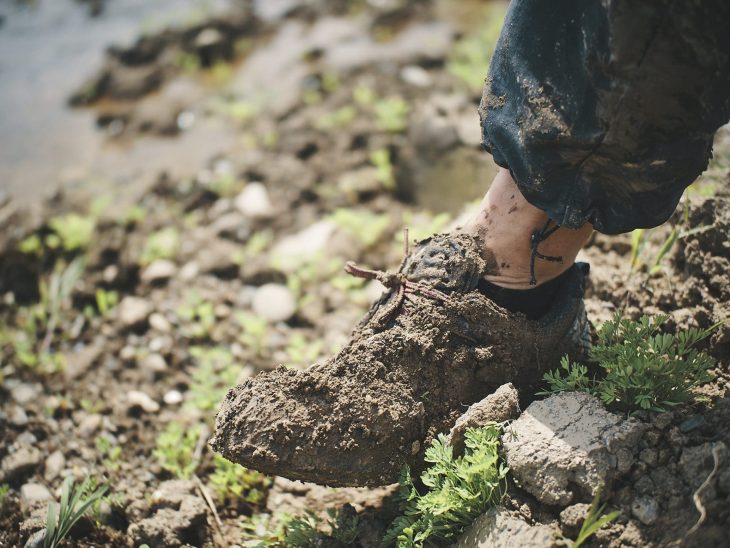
(499, 528)
(175, 516)
(562, 449)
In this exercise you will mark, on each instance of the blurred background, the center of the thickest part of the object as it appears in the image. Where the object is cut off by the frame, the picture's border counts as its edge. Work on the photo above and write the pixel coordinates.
(181, 184)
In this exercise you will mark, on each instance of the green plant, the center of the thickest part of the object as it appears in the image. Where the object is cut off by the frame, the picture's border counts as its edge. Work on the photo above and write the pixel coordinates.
(254, 332)
(106, 300)
(470, 56)
(458, 490)
(176, 447)
(642, 368)
(111, 454)
(76, 500)
(594, 520)
(31, 245)
(161, 244)
(380, 158)
(391, 114)
(56, 293)
(214, 374)
(305, 531)
(4, 490)
(341, 117)
(363, 225)
(74, 231)
(231, 480)
(198, 314)
(301, 352)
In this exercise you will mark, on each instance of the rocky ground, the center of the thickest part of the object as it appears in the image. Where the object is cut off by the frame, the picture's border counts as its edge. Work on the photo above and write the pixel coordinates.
(122, 326)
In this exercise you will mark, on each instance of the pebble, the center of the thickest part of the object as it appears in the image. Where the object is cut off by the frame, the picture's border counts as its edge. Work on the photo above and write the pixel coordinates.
(298, 248)
(89, 425)
(645, 509)
(172, 397)
(572, 517)
(33, 493)
(189, 271)
(416, 76)
(25, 393)
(18, 417)
(137, 397)
(127, 353)
(159, 270)
(133, 311)
(153, 362)
(274, 303)
(692, 423)
(54, 465)
(160, 323)
(21, 462)
(254, 202)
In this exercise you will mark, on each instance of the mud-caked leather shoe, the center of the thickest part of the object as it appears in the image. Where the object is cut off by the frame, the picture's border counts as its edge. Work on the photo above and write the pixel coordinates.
(431, 346)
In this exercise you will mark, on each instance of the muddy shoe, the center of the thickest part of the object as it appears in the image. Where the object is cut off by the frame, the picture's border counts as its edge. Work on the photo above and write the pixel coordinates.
(430, 347)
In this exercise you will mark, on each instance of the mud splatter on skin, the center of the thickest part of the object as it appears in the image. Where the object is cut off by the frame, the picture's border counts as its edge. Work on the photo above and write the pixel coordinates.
(358, 418)
(512, 210)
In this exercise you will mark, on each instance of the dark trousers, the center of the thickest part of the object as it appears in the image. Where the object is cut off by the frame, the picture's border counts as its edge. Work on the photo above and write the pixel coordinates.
(605, 111)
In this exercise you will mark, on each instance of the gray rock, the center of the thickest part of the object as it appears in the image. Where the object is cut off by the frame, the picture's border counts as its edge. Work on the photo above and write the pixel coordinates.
(499, 528)
(645, 509)
(254, 202)
(159, 270)
(566, 446)
(160, 323)
(133, 311)
(137, 398)
(55, 464)
(232, 225)
(25, 392)
(572, 517)
(274, 302)
(18, 417)
(154, 363)
(416, 76)
(89, 425)
(20, 463)
(78, 362)
(503, 404)
(298, 248)
(36, 540)
(174, 516)
(172, 397)
(32, 494)
(218, 257)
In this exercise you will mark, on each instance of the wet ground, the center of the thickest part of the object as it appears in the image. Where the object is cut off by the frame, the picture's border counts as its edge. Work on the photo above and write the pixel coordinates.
(216, 177)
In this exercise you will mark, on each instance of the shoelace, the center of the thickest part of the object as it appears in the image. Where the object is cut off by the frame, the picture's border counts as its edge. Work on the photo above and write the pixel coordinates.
(537, 237)
(396, 281)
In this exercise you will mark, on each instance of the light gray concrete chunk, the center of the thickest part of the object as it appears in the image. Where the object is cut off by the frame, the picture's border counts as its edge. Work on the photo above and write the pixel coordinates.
(564, 448)
(499, 528)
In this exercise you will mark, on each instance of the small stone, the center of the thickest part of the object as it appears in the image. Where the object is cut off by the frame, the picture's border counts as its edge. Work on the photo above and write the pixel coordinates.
(274, 303)
(54, 465)
(18, 417)
(645, 509)
(89, 425)
(189, 271)
(253, 201)
(110, 273)
(160, 323)
(571, 518)
(138, 398)
(127, 353)
(159, 270)
(33, 493)
(153, 362)
(296, 249)
(25, 393)
(78, 362)
(172, 397)
(133, 311)
(499, 528)
(416, 76)
(20, 463)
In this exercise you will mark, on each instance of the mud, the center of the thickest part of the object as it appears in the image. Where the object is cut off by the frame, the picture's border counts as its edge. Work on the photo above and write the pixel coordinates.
(413, 365)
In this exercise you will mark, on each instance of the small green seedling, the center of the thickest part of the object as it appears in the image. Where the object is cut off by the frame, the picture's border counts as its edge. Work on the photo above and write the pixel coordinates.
(391, 114)
(76, 500)
(380, 158)
(231, 481)
(175, 449)
(4, 490)
(73, 231)
(162, 244)
(641, 368)
(594, 520)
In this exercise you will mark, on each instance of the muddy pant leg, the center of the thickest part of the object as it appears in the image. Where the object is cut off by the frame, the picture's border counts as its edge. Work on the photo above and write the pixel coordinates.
(605, 111)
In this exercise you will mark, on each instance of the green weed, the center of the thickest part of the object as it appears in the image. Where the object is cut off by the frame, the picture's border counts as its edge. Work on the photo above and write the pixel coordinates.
(106, 300)
(254, 332)
(305, 531)
(76, 500)
(391, 114)
(4, 490)
(162, 244)
(341, 117)
(458, 490)
(111, 454)
(73, 231)
(198, 314)
(380, 158)
(469, 60)
(594, 520)
(302, 352)
(363, 225)
(641, 368)
(232, 481)
(175, 449)
(214, 374)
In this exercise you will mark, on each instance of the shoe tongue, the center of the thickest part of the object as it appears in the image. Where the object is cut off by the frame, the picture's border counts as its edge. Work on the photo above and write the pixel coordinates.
(449, 262)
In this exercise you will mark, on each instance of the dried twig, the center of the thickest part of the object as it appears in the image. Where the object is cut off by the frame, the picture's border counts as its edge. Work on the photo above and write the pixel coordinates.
(206, 497)
(696, 496)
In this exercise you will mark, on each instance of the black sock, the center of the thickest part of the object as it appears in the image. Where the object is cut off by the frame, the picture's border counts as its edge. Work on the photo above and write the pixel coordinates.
(533, 303)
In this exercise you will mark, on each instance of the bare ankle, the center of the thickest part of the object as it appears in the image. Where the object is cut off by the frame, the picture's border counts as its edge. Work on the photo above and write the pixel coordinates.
(523, 248)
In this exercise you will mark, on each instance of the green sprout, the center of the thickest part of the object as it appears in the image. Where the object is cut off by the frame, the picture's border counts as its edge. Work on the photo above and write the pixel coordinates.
(72, 231)
(175, 449)
(380, 158)
(391, 114)
(76, 500)
(162, 244)
(594, 520)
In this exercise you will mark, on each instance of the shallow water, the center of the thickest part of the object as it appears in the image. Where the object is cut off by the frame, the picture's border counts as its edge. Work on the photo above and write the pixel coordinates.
(48, 48)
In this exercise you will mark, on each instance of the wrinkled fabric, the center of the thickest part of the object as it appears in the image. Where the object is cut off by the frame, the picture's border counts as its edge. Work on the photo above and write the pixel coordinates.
(605, 111)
